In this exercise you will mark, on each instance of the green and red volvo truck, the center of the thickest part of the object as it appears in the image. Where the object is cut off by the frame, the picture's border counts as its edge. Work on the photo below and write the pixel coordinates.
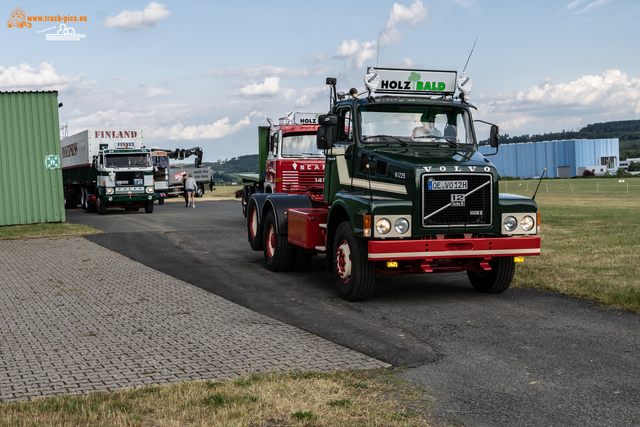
(107, 169)
(405, 191)
(288, 160)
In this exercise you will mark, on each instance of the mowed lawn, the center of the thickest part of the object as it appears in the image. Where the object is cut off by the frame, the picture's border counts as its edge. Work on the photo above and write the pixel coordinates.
(590, 239)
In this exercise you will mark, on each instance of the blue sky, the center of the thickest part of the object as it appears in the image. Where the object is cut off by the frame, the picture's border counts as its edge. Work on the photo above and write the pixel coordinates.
(202, 74)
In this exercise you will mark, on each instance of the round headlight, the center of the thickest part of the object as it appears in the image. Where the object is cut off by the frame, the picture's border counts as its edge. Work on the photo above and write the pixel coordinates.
(402, 226)
(527, 223)
(149, 189)
(109, 190)
(510, 223)
(383, 226)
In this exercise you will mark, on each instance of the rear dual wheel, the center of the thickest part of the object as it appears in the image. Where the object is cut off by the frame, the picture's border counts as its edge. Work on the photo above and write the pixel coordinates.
(278, 252)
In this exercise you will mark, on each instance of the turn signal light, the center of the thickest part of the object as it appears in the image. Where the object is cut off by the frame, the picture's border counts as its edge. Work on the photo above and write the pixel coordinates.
(366, 225)
(518, 259)
(538, 223)
(392, 264)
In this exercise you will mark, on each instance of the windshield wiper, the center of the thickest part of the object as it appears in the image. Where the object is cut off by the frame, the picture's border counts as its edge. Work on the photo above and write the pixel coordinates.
(395, 138)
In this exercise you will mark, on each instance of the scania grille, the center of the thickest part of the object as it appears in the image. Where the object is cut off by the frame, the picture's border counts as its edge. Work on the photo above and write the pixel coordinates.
(299, 181)
(457, 200)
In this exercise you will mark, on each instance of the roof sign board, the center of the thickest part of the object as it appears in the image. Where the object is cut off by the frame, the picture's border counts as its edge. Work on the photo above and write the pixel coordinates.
(401, 82)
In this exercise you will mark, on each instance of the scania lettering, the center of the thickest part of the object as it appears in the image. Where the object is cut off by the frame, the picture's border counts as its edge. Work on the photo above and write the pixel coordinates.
(405, 191)
(107, 169)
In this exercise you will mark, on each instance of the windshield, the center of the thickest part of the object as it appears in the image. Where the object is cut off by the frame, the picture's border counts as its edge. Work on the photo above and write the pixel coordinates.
(160, 161)
(300, 145)
(127, 160)
(416, 125)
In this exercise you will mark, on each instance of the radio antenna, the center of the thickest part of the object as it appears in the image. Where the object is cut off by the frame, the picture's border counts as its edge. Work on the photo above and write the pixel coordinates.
(474, 46)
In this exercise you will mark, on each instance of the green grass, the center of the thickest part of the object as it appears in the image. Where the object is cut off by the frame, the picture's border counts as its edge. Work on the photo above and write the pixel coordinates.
(590, 239)
(45, 230)
(289, 399)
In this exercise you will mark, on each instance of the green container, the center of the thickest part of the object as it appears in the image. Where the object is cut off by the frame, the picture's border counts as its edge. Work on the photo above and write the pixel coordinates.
(30, 174)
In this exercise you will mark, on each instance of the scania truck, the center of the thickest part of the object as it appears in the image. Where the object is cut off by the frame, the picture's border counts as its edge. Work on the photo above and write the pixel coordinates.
(107, 169)
(405, 191)
(288, 160)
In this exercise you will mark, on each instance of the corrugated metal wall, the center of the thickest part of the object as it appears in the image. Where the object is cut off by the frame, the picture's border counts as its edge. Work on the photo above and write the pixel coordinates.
(529, 160)
(29, 132)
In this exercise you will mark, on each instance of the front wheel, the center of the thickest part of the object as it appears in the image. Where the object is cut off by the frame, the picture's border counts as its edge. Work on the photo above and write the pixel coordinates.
(496, 280)
(148, 206)
(353, 273)
(101, 206)
(278, 252)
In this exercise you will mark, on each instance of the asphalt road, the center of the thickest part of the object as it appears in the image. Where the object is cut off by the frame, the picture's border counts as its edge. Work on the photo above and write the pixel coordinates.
(521, 358)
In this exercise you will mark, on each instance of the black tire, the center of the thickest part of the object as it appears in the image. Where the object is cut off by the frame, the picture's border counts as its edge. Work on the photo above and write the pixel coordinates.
(101, 206)
(83, 199)
(148, 206)
(200, 190)
(135, 209)
(91, 207)
(354, 274)
(254, 229)
(278, 252)
(496, 280)
(244, 200)
(161, 201)
(301, 259)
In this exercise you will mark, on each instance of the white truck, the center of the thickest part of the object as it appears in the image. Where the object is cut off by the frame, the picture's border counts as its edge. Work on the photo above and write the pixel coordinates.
(107, 169)
(168, 177)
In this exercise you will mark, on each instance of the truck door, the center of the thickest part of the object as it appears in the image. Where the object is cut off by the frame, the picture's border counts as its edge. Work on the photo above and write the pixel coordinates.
(339, 164)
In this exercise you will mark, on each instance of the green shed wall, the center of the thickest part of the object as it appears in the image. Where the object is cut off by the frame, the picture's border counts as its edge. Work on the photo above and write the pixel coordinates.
(29, 131)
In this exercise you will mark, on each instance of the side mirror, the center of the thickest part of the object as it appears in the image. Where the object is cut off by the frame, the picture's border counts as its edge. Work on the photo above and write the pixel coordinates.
(494, 137)
(324, 137)
(326, 132)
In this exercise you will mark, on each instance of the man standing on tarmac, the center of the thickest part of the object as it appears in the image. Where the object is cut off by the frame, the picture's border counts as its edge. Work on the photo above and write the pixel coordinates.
(184, 190)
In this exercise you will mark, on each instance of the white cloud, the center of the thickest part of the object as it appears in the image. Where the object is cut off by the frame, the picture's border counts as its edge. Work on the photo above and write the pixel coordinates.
(400, 17)
(550, 106)
(256, 71)
(595, 4)
(117, 77)
(311, 95)
(271, 86)
(152, 92)
(25, 77)
(574, 4)
(218, 129)
(137, 19)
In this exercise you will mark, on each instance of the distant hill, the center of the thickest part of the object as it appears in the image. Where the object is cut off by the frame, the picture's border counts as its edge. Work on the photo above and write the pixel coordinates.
(627, 132)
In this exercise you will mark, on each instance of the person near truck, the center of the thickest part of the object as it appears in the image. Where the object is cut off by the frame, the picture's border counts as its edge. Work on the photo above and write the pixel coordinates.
(190, 186)
(184, 190)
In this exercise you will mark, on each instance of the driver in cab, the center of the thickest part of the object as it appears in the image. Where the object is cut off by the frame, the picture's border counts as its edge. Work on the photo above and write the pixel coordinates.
(427, 128)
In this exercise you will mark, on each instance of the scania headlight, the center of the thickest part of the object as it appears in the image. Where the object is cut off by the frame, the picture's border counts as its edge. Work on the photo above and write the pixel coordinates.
(527, 223)
(149, 189)
(510, 223)
(109, 190)
(402, 225)
(383, 226)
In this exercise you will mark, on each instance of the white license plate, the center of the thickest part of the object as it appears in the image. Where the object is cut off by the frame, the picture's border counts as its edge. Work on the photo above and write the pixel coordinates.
(448, 185)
